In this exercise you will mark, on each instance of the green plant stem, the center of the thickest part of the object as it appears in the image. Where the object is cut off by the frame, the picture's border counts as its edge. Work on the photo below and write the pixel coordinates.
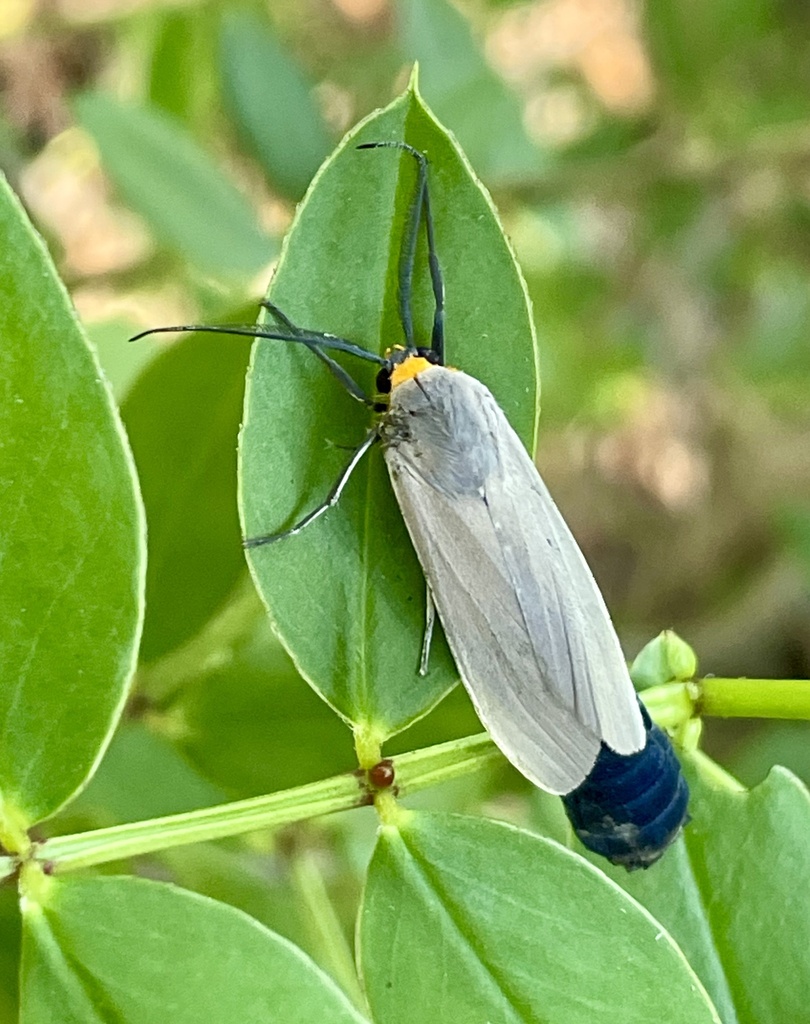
(761, 698)
(84, 849)
(420, 769)
(8, 865)
(414, 771)
(754, 698)
(325, 928)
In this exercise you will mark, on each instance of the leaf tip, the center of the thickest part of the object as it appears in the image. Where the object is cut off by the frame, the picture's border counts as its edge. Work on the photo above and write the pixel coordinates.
(413, 81)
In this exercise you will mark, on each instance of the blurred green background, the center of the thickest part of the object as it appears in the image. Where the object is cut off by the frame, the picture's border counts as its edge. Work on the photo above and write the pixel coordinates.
(651, 163)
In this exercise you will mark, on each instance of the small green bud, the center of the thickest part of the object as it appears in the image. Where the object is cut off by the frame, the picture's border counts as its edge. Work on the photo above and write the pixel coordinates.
(664, 659)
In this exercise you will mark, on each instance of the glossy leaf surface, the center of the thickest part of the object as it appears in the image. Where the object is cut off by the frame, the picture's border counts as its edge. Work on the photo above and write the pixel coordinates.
(71, 542)
(498, 924)
(129, 951)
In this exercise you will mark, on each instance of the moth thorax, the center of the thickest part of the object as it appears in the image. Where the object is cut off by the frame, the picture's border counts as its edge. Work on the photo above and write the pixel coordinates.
(408, 369)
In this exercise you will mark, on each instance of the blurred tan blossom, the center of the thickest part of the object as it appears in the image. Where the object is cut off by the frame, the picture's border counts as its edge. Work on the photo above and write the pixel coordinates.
(65, 189)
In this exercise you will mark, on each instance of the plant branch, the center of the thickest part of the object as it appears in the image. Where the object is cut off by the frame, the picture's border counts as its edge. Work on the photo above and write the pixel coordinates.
(754, 698)
(85, 849)
(325, 928)
(414, 771)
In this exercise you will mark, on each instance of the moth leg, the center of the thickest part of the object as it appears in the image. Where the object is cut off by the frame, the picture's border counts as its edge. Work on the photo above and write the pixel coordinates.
(334, 367)
(331, 499)
(430, 622)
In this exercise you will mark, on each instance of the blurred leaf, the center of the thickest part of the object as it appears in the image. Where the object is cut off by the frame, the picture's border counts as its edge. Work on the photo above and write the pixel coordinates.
(182, 416)
(776, 342)
(142, 776)
(611, 137)
(121, 363)
(71, 540)
(501, 925)
(174, 185)
(171, 80)
(124, 949)
(672, 213)
(794, 525)
(702, 51)
(589, 345)
(784, 743)
(253, 726)
(465, 93)
(271, 103)
(347, 595)
(180, 82)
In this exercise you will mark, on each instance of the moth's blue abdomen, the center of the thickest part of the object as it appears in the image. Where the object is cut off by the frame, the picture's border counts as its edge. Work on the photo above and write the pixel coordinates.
(631, 807)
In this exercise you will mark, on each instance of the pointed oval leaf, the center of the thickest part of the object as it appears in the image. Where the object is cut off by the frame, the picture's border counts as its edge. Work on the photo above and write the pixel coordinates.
(131, 951)
(175, 186)
(71, 540)
(467, 95)
(500, 925)
(347, 596)
(272, 104)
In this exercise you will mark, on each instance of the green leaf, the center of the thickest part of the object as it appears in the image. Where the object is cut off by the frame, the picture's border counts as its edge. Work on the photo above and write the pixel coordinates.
(171, 78)
(785, 743)
(347, 596)
(183, 417)
(184, 49)
(741, 867)
(122, 364)
(174, 185)
(750, 854)
(142, 776)
(708, 54)
(277, 890)
(71, 543)
(500, 925)
(253, 726)
(271, 103)
(130, 951)
(466, 94)
(669, 892)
